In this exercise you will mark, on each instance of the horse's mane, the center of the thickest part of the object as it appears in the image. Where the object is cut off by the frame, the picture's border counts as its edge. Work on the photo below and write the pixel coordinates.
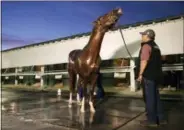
(86, 46)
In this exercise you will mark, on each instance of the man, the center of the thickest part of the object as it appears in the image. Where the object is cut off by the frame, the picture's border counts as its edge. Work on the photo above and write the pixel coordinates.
(150, 74)
(100, 90)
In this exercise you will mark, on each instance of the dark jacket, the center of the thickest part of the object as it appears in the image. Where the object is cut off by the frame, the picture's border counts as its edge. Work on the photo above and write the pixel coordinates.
(153, 70)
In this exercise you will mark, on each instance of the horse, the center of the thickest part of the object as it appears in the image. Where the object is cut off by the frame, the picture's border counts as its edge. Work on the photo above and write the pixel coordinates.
(86, 62)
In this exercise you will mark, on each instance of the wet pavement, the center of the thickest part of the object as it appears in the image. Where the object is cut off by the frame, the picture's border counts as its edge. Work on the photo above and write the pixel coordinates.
(44, 111)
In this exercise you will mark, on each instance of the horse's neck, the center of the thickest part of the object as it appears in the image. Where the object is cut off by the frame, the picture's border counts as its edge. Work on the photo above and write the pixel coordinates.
(94, 45)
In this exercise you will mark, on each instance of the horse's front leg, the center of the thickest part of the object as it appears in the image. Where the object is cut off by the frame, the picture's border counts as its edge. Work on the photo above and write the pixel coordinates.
(84, 95)
(79, 90)
(91, 100)
(78, 99)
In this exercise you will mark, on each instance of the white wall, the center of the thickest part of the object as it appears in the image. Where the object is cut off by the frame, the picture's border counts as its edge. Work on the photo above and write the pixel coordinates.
(169, 36)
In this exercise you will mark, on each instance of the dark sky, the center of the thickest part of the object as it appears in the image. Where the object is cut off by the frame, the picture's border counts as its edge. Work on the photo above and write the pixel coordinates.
(31, 22)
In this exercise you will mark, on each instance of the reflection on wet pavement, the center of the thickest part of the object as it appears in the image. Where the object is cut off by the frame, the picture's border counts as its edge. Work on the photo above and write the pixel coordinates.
(28, 111)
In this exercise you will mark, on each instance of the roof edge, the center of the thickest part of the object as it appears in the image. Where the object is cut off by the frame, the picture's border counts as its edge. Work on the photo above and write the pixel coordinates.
(157, 20)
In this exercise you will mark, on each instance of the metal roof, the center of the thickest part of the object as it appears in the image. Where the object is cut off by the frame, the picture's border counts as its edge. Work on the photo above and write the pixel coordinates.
(158, 20)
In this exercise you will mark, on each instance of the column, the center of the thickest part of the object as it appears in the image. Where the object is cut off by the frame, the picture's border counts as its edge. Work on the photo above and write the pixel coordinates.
(16, 80)
(41, 77)
(182, 75)
(132, 76)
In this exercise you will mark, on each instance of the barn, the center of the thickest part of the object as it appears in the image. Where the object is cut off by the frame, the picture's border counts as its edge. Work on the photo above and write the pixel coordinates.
(45, 63)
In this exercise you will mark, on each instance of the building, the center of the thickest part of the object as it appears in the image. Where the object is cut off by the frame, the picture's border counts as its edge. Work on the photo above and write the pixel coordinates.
(46, 62)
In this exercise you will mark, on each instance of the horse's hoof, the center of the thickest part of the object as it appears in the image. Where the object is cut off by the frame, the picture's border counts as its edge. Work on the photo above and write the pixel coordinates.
(79, 103)
(69, 105)
(92, 110)
(82, 110)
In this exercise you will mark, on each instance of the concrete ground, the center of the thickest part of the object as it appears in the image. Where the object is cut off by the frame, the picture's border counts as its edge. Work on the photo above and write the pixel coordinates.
(170, 94)
(47, 111)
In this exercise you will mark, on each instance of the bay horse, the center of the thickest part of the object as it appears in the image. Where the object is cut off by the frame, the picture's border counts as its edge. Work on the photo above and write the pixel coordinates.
(86, 62)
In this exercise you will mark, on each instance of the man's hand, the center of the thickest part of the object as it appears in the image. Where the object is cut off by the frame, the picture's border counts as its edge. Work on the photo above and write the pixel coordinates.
(139, 79)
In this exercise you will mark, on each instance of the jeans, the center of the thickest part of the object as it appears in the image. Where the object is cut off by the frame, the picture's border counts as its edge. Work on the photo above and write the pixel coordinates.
(152, 99)
(80, 91)
(100, 91)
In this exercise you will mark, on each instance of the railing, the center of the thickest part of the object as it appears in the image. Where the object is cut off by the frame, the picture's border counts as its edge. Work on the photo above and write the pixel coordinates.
(167, 67)
(55, 72)
(172, 67)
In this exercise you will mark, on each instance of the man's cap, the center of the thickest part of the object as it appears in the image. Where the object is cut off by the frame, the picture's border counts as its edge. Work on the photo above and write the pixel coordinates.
(149, 32)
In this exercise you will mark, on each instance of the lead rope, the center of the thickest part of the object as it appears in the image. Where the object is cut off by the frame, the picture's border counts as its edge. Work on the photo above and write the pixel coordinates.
(125, 44)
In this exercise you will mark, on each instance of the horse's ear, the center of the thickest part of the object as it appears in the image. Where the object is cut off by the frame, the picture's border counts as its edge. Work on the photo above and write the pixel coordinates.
(117, 7)
(94, 22)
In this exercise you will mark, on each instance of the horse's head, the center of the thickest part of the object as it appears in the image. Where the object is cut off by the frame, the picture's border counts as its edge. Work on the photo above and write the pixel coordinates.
(108, 20)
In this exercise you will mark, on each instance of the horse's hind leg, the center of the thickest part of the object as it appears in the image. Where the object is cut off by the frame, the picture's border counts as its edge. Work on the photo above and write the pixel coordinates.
(72, 81)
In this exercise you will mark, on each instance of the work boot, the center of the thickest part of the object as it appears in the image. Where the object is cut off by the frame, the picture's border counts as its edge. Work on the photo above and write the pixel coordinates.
(163, 122)
(146, 114)
(149, 124)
